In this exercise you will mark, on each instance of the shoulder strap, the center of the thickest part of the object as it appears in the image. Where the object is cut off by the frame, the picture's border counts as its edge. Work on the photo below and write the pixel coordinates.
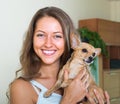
(38, 85)
(36, 89)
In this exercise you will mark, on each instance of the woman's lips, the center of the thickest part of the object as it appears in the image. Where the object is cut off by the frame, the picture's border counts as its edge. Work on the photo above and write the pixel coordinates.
(48, 52)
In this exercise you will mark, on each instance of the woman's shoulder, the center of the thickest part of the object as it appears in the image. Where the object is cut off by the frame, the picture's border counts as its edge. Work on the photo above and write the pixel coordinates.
(19, 81)
(20, 84)
(21, 88)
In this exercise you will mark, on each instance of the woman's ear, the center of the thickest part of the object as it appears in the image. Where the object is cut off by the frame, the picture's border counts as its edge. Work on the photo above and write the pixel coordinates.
(74, 41)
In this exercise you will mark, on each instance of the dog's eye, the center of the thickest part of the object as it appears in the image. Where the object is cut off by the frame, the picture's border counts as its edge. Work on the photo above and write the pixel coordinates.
(93, 54)
(84, 50)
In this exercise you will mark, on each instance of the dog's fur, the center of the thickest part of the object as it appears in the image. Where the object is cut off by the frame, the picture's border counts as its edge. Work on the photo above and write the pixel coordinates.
(80, 59)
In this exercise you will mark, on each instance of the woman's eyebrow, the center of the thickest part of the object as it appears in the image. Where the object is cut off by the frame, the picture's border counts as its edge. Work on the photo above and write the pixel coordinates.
(58, 32)
(39, 31)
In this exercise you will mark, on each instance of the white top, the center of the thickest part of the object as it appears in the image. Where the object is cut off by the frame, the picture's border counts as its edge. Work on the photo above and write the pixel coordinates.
(54, 98)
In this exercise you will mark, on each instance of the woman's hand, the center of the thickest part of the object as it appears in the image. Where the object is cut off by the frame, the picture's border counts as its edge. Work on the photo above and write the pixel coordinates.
(107, 97)
(99, 99)
(77, 89)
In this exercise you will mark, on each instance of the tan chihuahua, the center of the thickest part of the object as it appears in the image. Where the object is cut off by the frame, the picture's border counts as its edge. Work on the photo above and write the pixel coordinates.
(82, 56)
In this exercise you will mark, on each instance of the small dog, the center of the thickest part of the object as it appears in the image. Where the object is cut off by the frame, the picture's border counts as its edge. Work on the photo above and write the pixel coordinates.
(82, 56)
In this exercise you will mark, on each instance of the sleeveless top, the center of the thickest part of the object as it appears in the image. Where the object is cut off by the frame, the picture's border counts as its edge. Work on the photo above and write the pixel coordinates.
(54, 98)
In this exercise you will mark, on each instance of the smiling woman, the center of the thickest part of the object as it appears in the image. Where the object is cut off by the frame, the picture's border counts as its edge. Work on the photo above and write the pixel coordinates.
(46, 49)
(48, 40)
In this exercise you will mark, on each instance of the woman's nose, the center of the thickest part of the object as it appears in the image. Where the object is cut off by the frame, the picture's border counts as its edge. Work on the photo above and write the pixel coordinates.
(48, 41)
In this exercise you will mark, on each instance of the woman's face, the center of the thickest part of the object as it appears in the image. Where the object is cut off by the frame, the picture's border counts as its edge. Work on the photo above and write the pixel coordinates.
(48, 40)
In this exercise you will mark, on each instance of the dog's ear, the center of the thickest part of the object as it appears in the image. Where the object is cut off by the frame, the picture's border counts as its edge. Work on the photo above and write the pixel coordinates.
(98, 51)
(74, 41)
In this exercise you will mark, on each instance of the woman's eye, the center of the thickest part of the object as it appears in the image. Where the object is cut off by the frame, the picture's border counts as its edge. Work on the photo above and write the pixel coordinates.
(40, 35)
(58, 36)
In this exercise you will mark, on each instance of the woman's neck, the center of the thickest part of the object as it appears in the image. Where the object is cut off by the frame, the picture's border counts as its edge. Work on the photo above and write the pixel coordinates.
(49, 71)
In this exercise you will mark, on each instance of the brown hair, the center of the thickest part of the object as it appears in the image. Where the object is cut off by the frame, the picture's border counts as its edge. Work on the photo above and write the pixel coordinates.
(30, 62)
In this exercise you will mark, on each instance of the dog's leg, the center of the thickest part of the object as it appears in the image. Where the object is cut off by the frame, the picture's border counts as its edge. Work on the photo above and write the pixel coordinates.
(56, 86)
(66, 83)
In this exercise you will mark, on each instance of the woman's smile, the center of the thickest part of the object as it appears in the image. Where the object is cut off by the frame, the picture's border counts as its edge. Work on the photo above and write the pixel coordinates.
(48, 52)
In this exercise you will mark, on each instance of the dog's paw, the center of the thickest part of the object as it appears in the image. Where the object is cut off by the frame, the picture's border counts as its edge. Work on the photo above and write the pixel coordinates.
(47, 94)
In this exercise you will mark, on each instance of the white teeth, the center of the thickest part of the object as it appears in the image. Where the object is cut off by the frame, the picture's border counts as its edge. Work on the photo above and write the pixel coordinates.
(49, 52)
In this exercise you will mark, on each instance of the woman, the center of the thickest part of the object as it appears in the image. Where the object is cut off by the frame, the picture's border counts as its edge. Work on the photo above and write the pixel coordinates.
(45, 50)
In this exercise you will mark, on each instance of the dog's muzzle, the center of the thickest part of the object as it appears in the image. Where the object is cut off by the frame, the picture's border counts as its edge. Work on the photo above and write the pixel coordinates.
(89, 60)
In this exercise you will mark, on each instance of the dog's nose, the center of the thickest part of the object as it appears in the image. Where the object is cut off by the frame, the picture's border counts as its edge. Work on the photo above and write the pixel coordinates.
(90, 59)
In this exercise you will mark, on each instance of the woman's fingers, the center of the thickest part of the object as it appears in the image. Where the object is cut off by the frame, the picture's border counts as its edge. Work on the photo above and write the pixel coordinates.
(81, 74)
(66, 75)
(83, 78)
(94, 100)
(76, 90)
(91, 100)
(99, 99)
(107, 98)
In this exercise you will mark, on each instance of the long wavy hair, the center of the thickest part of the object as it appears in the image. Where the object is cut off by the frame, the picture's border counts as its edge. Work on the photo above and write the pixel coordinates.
(30, 62)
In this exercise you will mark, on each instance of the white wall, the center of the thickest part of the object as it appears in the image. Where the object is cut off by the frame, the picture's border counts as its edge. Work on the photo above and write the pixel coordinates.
(115, 10)
(14, 19)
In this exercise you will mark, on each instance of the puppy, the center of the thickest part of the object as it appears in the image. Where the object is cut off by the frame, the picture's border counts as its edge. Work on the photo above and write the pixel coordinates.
(82, 56)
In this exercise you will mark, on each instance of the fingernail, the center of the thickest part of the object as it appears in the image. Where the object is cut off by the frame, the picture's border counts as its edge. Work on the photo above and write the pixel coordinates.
(95, 90)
